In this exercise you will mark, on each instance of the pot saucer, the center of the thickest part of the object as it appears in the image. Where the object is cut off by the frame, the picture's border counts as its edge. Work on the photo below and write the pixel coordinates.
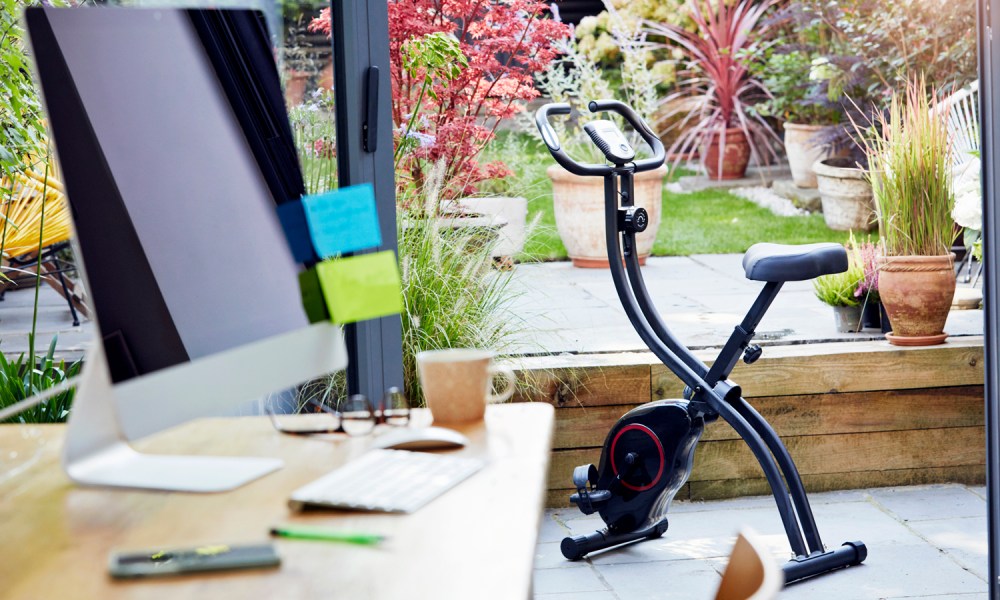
(916, 340)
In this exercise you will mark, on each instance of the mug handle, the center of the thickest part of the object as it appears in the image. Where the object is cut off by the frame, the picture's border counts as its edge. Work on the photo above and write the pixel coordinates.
(508, 391)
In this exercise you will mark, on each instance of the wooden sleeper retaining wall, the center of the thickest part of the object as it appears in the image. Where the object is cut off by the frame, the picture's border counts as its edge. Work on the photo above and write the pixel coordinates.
(852, 415)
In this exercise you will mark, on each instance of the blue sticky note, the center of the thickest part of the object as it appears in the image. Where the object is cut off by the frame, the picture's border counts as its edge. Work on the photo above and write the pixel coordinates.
(292, 216)
(343, 221)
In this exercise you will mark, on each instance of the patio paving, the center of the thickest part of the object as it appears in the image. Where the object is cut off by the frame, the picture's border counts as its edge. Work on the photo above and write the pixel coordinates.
(924, 542)
(53, 320)
(702, 297)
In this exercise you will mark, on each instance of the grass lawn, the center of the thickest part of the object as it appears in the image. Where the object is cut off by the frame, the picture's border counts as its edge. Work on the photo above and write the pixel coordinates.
(706, 222)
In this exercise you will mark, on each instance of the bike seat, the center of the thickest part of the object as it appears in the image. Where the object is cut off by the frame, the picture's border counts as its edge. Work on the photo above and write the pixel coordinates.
(783, 262)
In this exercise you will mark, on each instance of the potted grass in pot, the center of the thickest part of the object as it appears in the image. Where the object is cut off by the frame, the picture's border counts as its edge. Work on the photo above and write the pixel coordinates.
(910, 172)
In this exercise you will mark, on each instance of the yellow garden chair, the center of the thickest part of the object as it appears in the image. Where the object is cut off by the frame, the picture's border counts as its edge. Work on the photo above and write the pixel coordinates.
(35, 216)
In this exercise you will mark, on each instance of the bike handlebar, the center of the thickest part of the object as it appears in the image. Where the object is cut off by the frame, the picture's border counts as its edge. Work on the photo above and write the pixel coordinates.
(552, 140)
(640, 126)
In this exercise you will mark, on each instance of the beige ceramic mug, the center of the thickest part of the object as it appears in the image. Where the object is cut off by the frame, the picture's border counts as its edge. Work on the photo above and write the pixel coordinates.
(458, 383)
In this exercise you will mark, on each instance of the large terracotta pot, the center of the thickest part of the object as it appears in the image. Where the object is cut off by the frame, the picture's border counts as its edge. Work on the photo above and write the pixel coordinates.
(735, 159)
(846, 194)
(579, 211)
(803, 152)
(917, 292)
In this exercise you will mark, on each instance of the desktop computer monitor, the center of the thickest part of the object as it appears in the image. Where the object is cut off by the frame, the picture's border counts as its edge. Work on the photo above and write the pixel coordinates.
(175, 148)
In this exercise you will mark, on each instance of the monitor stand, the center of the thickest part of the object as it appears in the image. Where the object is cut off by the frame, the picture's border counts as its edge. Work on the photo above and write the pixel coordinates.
(96, 451)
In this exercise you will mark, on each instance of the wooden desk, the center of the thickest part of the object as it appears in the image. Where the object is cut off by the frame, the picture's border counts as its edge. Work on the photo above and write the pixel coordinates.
(475, 541)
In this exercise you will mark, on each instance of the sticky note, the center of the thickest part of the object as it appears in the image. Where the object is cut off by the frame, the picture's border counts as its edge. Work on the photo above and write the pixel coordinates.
(365, 286)
(343, 221)
(292, 216)
(312, 296)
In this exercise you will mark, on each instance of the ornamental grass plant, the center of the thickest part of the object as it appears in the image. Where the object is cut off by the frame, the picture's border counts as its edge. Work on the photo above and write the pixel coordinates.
(452, 296)
(909, 157)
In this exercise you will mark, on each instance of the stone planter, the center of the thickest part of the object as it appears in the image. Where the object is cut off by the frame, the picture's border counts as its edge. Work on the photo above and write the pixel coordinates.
(803, 152)
(502, 209)
(579, 210)
(846, 195)
(917, 292)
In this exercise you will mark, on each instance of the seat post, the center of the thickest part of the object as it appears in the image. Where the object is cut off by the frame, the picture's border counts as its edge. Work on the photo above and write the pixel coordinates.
(742, 334)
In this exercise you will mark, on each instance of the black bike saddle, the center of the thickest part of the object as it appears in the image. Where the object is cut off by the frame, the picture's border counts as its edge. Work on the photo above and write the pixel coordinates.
(783, 262)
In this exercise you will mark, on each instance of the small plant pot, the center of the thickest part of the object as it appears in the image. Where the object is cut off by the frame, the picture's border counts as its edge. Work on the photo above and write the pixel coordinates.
(871, 315)
(846, 194)
(847, 318)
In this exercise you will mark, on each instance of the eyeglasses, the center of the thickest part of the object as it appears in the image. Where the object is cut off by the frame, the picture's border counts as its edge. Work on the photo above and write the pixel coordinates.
(354, 416)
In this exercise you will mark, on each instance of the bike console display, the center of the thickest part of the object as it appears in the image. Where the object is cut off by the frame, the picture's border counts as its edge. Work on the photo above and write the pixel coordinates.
(610, 140)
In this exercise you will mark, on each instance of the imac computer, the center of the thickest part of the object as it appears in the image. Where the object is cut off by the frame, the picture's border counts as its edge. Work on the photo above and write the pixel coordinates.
(175, 147)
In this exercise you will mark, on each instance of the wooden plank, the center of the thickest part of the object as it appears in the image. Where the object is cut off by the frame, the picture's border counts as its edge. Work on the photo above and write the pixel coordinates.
(847, 367)
(827, 482)
(880, 451)
(585, 427)
(815, 414)
(863, 412)
(591, 386)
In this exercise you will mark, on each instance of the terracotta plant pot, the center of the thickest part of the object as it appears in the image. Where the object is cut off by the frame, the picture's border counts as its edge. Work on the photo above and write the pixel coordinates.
(735, 158)
(579, 210)
(803, 152)
(917, 292)
(848, 204)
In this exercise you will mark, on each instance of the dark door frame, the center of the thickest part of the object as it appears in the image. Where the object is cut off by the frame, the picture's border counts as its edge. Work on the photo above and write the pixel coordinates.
(361, 41)
(989, 96)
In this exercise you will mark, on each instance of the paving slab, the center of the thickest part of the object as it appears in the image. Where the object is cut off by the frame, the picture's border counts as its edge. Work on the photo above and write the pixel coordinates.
(910, 556)
(701, 298)
(54, 319)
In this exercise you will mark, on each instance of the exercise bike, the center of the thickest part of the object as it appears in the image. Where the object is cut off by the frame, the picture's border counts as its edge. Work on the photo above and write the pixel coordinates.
(648, 454)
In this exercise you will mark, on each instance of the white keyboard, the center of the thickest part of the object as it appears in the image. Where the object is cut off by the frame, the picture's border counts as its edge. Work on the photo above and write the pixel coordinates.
(397, 481)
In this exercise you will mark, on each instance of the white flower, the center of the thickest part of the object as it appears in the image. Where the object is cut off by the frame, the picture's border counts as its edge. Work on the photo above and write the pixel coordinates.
(425, 140)
(968, 210)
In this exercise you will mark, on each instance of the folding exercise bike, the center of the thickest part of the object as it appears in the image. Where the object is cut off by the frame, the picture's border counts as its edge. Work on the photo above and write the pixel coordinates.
(648, 454)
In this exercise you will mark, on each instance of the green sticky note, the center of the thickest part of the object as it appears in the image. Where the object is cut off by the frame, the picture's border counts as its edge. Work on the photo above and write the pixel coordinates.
(312, 296)
(366, 286)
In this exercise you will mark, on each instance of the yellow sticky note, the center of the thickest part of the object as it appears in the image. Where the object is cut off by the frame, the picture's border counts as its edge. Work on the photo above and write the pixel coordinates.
(366, 286)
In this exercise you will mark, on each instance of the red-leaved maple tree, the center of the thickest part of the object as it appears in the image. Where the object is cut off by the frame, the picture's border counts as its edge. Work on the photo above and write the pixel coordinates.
(504, 42)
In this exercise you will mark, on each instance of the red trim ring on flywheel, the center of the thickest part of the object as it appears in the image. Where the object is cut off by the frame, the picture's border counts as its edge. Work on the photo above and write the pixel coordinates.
(659, 448)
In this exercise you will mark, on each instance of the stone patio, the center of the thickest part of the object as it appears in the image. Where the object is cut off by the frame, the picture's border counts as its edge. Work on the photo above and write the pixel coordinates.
(925, 542)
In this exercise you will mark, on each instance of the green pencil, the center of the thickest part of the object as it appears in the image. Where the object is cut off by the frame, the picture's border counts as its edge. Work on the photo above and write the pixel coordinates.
(327, 535)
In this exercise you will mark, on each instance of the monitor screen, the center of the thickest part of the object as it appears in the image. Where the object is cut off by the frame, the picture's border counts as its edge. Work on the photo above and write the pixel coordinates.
(175, 148)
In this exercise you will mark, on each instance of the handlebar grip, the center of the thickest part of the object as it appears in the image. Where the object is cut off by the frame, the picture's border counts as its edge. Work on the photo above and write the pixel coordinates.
(545, 128)
(637, 123)
(552, 141)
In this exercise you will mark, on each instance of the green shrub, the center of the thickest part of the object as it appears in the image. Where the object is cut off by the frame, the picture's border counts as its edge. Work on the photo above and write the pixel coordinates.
(838, 289)
(19, 381)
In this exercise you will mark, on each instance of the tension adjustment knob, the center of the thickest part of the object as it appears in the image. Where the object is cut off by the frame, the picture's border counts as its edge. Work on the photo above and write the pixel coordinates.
(634, 219)
(751, 354)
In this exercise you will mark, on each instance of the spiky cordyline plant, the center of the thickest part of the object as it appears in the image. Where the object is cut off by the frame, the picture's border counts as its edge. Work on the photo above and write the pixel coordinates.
(910, 171)
(719, 52)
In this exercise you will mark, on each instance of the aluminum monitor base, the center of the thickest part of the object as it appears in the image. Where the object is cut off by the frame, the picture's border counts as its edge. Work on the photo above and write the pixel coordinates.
(96, 450)
(122, 466)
